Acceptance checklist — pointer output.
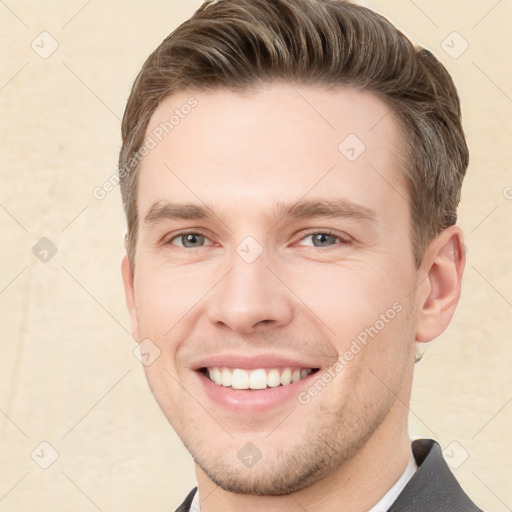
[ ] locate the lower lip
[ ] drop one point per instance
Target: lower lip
(253, 400)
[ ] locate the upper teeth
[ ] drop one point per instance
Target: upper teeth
(256, 379)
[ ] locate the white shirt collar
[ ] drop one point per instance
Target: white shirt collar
(382, 506)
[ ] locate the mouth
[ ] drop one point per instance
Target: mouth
(254, 382)
(256, 379)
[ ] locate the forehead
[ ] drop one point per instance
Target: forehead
(244, 151)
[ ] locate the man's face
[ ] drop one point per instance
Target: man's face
(271, 239)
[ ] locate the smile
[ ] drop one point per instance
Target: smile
(261, 378)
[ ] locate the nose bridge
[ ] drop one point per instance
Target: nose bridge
(250, 295)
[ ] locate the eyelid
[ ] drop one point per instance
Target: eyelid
(168, 239)
(343, 237)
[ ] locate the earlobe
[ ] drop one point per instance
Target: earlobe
(444, 266)
(129, 292)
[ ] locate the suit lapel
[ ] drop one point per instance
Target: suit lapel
(185, 506)
(433, 486)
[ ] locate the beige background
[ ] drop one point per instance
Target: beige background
(67, 372)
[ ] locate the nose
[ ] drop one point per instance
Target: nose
(250, 298)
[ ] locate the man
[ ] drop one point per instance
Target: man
(290, 172)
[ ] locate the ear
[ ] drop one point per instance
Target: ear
(443, 266)
(129, 292)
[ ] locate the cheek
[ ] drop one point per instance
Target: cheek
(375, 361)
(160, 306)
(349, 299)
(367, 314)
(164, 297)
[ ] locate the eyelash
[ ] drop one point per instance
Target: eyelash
(342, 240)
(181, 234)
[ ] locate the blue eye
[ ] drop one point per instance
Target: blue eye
(321, 239)
(189, 240)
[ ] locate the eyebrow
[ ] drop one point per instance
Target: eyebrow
(186, 211)
(334, 208)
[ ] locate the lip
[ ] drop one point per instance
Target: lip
(254, 361)
(252, 400)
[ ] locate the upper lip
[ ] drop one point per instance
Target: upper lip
(253, 362)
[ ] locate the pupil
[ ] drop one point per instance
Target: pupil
(191, 240)
(322, 238)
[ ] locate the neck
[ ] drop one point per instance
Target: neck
(356, 485)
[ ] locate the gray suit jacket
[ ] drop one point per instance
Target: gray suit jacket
(433, 487)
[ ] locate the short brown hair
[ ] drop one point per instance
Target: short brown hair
(244, 44)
